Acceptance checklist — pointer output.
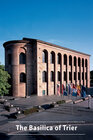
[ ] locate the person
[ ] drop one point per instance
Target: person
(58, 89)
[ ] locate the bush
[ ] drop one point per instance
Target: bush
(60, 102)
(4, 85)
(30, 111)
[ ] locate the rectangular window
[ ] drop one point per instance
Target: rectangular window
(82, 62)
(52, 76)
(86, 75)
(79, 62)
(70, 62)
(65, 76)
(74, 75)
(86, 63)
(70, 76)
(44, 76)
(59, 76)
(78, 75)
(75, 62)
(82, 76)
(44, 57)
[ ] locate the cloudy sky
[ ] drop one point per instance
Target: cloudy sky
(68, 23)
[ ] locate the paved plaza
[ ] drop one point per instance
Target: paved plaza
(75, 114)
(36, 101)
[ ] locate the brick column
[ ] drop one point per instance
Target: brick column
(88, 73)
(72, 69)
(15, 71)
(55, 73)
(48, 72)
(84, 72)
(62, 71)
(67, 69)
(28, 69)
(61, 75)
(81, 71)
(76, 70)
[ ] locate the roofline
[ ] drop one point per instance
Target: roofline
(29, 40)
(15, 41)
(58, 46)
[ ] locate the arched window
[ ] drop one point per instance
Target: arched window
(86, 75)
(65, 59)
(70, 76)
(52, 76)
(52, 58)
(79, 61)
(78, 75)
(65, 76)
(59, 76)
(74, 75)
(70, 60)
(86, 62)
(22, 78)
(44, 76)
(44, 56)
(59, 58)
(82, 75)
(74, 60)
(22, 58)
(82, 62)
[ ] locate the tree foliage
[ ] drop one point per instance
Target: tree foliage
(4, 85)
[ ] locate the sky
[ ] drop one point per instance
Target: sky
(68, 23)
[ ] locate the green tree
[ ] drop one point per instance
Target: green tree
(4, 85)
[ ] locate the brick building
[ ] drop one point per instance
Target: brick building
(37, 67)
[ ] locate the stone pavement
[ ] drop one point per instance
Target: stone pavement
(64, 112)
(25, 103)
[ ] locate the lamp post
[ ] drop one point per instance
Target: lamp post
(89, 101)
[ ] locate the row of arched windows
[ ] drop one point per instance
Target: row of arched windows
(22, 59)
(52, 76)
(52, 59)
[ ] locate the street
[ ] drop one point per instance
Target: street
(65, 114)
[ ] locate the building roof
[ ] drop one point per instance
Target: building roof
(54, 45)
(15, 41)
(29, 40)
